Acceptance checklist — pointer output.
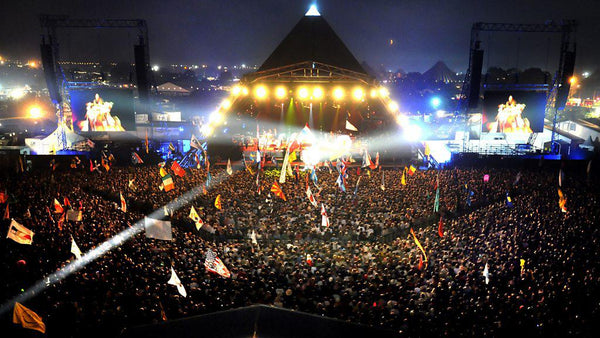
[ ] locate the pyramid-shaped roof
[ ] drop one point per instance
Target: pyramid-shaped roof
(440, 73)
(312, 39)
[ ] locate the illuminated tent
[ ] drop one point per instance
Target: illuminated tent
(311, 78)
(440, 73)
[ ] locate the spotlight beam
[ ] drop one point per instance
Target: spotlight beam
(106, 246)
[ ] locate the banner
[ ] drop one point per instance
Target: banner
(19, 233)
(158, 229)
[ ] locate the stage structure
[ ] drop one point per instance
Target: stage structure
(312, 79)
(60, 88)
(554, 95)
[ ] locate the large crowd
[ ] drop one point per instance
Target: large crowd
(365, 267)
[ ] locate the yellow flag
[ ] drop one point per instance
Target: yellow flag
(28, 319)
(218, 202)
(427, 150)
(163, 172)
(403, 180)
(292, 157)
(418, 244)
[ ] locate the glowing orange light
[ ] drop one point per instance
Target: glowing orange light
(280, 92)
(303, 93)
(318, 93)
(260, 92)
(35, 112)
(338, 93)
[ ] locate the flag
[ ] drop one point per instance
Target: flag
(517, 179)
(561, 175)
(58, 209)
(277, 191)
(194, 143)
(309, 260)
(382, 181)
(357, 183)
(158, 229)
(218, 204)
(427, 151)
(324, 218)
(162, 172)
(174, 280)
(74, 215)
(436, 204)
(61, 221)
(168, 183)
(311, 198)
(486, 178)
(19, 233)
(562, 201)
(135, 158)
(163, 315)
(75, 249)
(6, 213)
(522, 261)
(377, 160)
(3, 197)
(440, 227)
(229, 169)
(292, 157)
(27, 318)
(171, 147)
(105, 164)
(350, 126)
(486, 274)
(212, 263)
(253, 238)
(313, 176)
(418, 244)
(178, 170)
(147, 150)
(123, 203)
(403, 179)
(509, 202)
(411, 170)
(196, 218)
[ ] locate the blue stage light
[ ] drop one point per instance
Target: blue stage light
(435, 102)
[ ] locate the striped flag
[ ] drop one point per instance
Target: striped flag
(412, 232)
(123, 203)
(276, 189)
(168, 182)
(412, 170)
(213, 264)
(19, 233)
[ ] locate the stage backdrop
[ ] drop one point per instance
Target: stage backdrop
(513, 111)
(102, 109)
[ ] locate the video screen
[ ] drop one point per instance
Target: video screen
(513, 111)
(102, 110)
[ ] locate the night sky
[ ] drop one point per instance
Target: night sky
(246, 31)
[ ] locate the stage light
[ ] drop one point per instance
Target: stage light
(412, 133)
(318, 93)
(35, 112)
(435, 102)
(226, 104)
(215, 117)
(32, 64)
(302, 93)
(206, 130)
(373, 93)
(260, 92)
(393, 106)
(244, 91)
(338, 93)
(236, 90)
(280, 92)
(17, 93)
(573, 80)
(155, 68)
(384, 92)
(358, 94)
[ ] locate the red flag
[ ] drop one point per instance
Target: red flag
(66, 202)
(277, 191)
(6, 213)
(123, 203)
(57, 207)
(440, 229)
(309, 260)
(177, 169)
(420, 263)
(412, 170)
(3, 197)
(91, 166)
(61, 221)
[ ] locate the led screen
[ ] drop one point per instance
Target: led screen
(513, 111)
(102, 110)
